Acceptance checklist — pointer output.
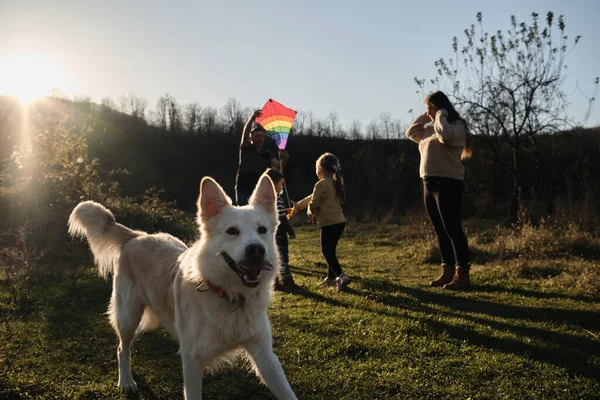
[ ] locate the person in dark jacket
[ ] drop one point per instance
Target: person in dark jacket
(254, 159)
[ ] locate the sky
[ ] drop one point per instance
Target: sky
(358, 59)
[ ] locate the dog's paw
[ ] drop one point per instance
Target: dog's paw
(128, 387)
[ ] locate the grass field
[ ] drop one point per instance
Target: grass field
(529, 328)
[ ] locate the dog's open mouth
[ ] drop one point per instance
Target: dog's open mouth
(249, 273)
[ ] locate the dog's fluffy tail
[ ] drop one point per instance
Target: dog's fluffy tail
(105, 236)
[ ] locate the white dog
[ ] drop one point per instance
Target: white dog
(212, 297)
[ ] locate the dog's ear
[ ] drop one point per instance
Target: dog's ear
(212, 199)
(264, 194)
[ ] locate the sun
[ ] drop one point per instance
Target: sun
(28, 75)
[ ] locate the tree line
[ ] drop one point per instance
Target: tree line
(150, 177)
(531, 162)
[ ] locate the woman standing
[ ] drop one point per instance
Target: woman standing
(443, 147)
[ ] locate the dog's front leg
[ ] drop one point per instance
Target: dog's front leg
(268, 367)
(193, 368)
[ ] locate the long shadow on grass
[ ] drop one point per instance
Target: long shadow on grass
(74, 306)
(469, 304)
(563, 350)
(77, 331)
(300, 291)
(309, 269)
(534, 294)
(303, 272)
(66, 327)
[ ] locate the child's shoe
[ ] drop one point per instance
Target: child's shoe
(327, 282)
(342, 281)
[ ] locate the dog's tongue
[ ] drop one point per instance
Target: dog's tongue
(266, 266)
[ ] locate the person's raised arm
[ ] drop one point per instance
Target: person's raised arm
(451, 134)
(416, 130)
(247, 128)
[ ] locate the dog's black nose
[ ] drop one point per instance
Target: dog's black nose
(255, 251)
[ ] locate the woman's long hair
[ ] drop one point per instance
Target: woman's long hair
(440, 100)
(330, 163)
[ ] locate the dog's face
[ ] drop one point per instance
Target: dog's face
(241, 238)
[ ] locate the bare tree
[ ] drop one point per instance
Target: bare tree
(385, 122)
(108, 103)
(310, 116)
(233, 116)
(398, 129)
(161, 113)
(133, 105)
(510, 86)
(355, 130)
(333, 122)
(373, 130)
(82, 99)
(299, 126)
(174, 113)
(323, 128)
(209, 120)
(192, 118)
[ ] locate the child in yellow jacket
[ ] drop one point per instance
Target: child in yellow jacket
(325, 206)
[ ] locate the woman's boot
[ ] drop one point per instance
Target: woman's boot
(445, 277)
(461, 280)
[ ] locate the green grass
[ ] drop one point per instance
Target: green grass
(529, 329)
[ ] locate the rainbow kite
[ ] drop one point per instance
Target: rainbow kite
(277, 120)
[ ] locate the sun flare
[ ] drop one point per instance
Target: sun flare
(29, 75)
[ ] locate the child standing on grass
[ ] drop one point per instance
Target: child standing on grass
(281, 236)
(325, 205)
